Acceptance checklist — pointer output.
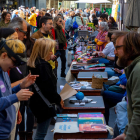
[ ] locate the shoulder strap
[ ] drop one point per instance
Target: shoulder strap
(41, 95)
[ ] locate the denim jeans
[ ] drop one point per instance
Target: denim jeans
(122, 119)
(111, 73)
(63, 60)
(32, 28)
(42, 129)
(103, 60)
(110, 100)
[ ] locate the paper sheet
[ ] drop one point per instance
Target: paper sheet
(67, 92)
(66, 127)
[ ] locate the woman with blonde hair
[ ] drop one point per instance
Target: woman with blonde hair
(38, 63)
(11, 55)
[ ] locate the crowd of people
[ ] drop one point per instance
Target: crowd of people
(30, 41)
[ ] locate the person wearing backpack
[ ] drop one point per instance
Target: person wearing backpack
(77, 21)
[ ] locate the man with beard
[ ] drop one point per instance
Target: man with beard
(128, 52)
(46, 25)
(111, 98)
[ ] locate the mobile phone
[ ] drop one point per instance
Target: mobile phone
(112, 69)
(57, 55)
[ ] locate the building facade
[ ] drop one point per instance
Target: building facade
(9, 4)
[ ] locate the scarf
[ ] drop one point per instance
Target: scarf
(60, 35)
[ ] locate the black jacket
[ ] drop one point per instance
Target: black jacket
(95, 21)
(47, 84)
(38, 19)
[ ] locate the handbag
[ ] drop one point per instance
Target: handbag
(75, 25)
(54, 108)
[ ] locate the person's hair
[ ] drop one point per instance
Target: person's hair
(131, 44)
(47, 15)
(17, 22)
(32, 11)
(4, 14)
(78, 14)
(112, 19)
(116, 34)
(29, 42)
(109, 35)
(61, 15)
(104, 16)
(15, 45)
(105, 25)
(72, 13)
(37, 10)
(44, 20)
(94, 16)
(41, 49)
(84, 15)
(55, 20)
(43, 9)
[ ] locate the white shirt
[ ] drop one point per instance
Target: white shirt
(109, 50)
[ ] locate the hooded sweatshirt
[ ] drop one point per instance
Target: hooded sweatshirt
(7, 109)
(32, 19)
(132, 73)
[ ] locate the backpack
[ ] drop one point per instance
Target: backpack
(75, 25)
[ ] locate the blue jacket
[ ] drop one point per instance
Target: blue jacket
(7, 109)
(68, 24)
(122, 81)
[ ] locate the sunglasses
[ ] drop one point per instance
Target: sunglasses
(25, 33)
(16, 63)
(116, 47)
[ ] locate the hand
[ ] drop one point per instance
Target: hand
(89, 42)
(117, 70)
(102, 54)
(24, 94)
(19, 118)
(120, 137)
(122, 86)
(62, 103)
(28, 80)
(53, 57)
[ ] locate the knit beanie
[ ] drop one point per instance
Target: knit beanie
(5, 32)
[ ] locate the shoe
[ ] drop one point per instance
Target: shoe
(29, 135)
(63, 75)
(53, 121)
(22, 135)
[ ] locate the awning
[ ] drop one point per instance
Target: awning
(133, 15)
(93, 1)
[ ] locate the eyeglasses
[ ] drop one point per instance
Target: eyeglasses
(116, 47)
(14, 61)
(25, 33)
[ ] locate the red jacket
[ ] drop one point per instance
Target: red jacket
(53, 33)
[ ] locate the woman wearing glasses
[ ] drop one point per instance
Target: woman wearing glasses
(59, 35)
(11, 55)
